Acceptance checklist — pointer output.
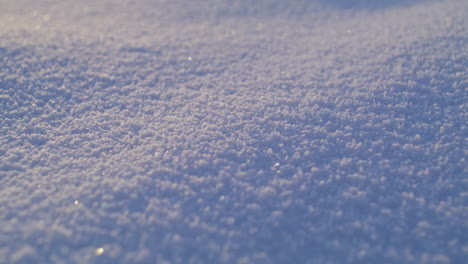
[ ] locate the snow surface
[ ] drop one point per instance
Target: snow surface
(219, 131)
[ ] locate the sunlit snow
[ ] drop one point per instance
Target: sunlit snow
(303, 131)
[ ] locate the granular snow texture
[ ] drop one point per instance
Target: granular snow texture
(238, 131)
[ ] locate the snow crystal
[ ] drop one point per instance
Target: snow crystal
(218, 131)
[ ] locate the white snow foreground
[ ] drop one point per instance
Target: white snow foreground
(233, 132)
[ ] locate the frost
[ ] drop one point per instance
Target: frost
(233, 131)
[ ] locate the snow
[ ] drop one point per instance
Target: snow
(233, 131)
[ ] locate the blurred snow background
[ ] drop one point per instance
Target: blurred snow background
(233, 131)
